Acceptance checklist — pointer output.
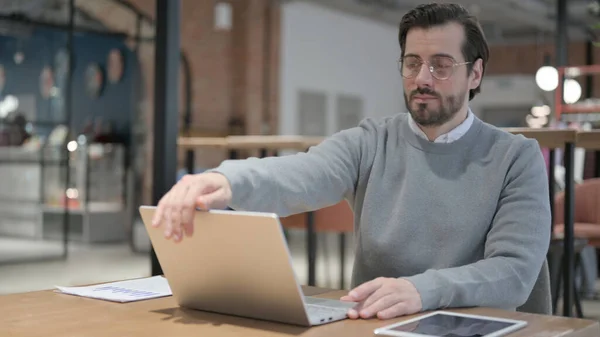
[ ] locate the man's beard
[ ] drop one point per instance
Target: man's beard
(425, 116)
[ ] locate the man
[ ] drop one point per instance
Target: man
(449, 211)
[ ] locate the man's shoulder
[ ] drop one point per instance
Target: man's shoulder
(368, 132)
(384, 123)
(504, 138)
(511, 150)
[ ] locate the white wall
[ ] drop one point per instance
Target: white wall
(508, 91)
(335, 52)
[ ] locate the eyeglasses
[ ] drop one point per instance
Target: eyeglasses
(440, 67)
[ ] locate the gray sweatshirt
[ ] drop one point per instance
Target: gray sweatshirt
(467, 222)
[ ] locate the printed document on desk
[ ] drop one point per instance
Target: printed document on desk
(123, 291)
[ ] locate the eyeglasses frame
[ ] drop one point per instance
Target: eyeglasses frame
(431, 69)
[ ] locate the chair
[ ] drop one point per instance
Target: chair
(587, 212)
(337, 218)
(586, 227)
(540, 299)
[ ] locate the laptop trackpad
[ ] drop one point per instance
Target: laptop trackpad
(328, 303)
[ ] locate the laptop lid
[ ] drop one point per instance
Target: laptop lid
(235, 263)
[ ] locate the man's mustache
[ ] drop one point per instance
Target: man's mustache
(424, 91)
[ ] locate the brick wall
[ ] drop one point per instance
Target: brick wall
(527, 59)
(234, 73)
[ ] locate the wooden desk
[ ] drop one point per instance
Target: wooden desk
(266, 142)
(202, 142)
(50, 314)
(250, 142)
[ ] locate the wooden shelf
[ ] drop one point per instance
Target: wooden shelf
(550, 138)
(589, 140)
(577, 108)
(583, 70)
(573, 72)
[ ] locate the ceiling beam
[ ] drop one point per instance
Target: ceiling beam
(532, 13)
(363, 9)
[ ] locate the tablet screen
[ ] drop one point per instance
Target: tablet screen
(444, 325)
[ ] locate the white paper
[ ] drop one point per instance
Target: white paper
(123, 291)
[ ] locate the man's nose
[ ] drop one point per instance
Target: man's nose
(424, 77)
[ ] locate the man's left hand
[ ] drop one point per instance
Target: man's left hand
(384, 297)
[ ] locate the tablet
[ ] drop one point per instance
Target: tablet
(450, 324)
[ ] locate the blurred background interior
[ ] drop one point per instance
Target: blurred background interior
(76, 147)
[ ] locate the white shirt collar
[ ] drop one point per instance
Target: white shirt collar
(449, 137)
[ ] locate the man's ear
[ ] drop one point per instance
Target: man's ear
(476, 74)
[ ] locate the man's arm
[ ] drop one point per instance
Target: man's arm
(302, 182)
(515, 249)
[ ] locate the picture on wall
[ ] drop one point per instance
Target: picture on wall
(94, 80)
(46, 82)
(115, 66)
(2, 79)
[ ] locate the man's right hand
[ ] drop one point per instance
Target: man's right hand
(175, 211)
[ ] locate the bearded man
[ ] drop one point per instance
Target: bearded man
(449, 211)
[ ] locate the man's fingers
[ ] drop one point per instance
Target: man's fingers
(177, 201)
(173, 211)
(383, 303)
(375, 296)
(188, 210)
(159, 214)
(175, 222)
(364, 290)
(398, 309)
(353, 314)
(214, 200)
(166, 216)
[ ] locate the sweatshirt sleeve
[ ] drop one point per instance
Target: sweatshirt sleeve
(515, 249)
(302, 182)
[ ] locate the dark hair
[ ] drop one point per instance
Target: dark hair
(425, 16)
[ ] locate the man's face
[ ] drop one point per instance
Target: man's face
(434, 101)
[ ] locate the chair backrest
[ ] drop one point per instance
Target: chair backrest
(587, 203)
(540, 299)
(337, 218)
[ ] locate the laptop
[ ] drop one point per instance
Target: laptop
(238, 263)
